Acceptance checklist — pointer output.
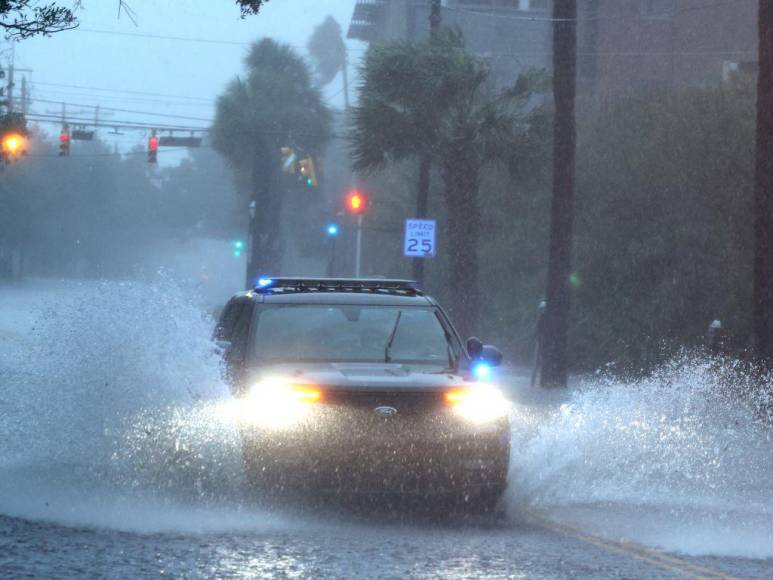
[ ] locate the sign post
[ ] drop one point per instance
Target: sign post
(420, 238)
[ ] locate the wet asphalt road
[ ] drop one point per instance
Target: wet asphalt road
(346, 548)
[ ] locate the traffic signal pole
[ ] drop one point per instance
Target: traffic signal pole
(425, 161)
(358, 247)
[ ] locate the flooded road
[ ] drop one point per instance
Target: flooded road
(118, 462)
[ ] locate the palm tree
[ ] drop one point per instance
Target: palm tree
(432, 100)
(404, 89)
(276, 105)
(328, 54)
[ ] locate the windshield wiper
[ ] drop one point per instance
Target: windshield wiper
(388, 346)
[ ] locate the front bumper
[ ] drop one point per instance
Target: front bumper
(341, 451)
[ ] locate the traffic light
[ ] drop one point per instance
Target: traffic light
(237, 246)
(64, 142)
(153, 148)
(356, 203)
(308, 174)
(288, 159)
(331, 230)
(13, 144)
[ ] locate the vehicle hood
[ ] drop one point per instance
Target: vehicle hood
(355, 376)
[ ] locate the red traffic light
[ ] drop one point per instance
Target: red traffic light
(153, 149)
(64, 143)
(356, 202)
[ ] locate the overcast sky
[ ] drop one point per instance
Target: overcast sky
(115, 58)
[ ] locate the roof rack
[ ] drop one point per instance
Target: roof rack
(374, 285)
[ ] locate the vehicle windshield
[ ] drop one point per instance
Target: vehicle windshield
(321, 333)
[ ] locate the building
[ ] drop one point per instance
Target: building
(511, 35)
(625, 47)
(628, 47)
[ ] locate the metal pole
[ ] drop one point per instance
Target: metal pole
(358, 248)
(434, 18)
(332, 258)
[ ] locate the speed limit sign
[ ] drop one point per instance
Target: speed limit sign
(419, 238)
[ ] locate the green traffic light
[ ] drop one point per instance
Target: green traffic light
(309, 181)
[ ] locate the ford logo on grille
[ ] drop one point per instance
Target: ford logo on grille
(385, 411)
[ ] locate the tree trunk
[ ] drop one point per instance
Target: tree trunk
(345, 80)
(763, 191)
(264, 257)
(461, 181)
(556, 322)
(422, 206)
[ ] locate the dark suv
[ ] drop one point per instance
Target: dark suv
(364, 387)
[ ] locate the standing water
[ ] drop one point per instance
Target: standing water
(681, 460)
(113, 416)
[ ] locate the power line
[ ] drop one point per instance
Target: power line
(64, 95)
(165, 37)
(115, 110)
(492, 14)
(57, 119)
(187, 38)
(126, 91)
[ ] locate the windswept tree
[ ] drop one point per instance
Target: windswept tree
(273, 106)
(433, 100)
(25, 18)
(328, 54)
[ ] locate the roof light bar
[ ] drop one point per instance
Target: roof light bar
(335, 284)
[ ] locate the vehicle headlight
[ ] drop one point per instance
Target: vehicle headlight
(277, 403)
(480, 403)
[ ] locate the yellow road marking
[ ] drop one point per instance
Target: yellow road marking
(636, 551)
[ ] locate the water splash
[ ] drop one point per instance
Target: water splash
(111, 404)
(690, 445)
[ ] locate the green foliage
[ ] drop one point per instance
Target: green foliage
(99, 214)
(327, 50)
(663, 232)
(26, 18)
(274, 105)
(433, 99)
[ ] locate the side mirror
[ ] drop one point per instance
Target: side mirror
(492, 355)
(474, 347)
(486, 353)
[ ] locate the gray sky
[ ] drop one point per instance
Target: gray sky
(113, 60)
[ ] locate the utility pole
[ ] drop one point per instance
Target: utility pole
(11, 84)
(25, 98)
(763, 192)
(556, 322)
(425, 161)
(435, 18)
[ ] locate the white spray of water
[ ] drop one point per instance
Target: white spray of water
(110, 413)
(681, 460)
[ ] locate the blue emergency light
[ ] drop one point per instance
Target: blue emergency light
(481, 371)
